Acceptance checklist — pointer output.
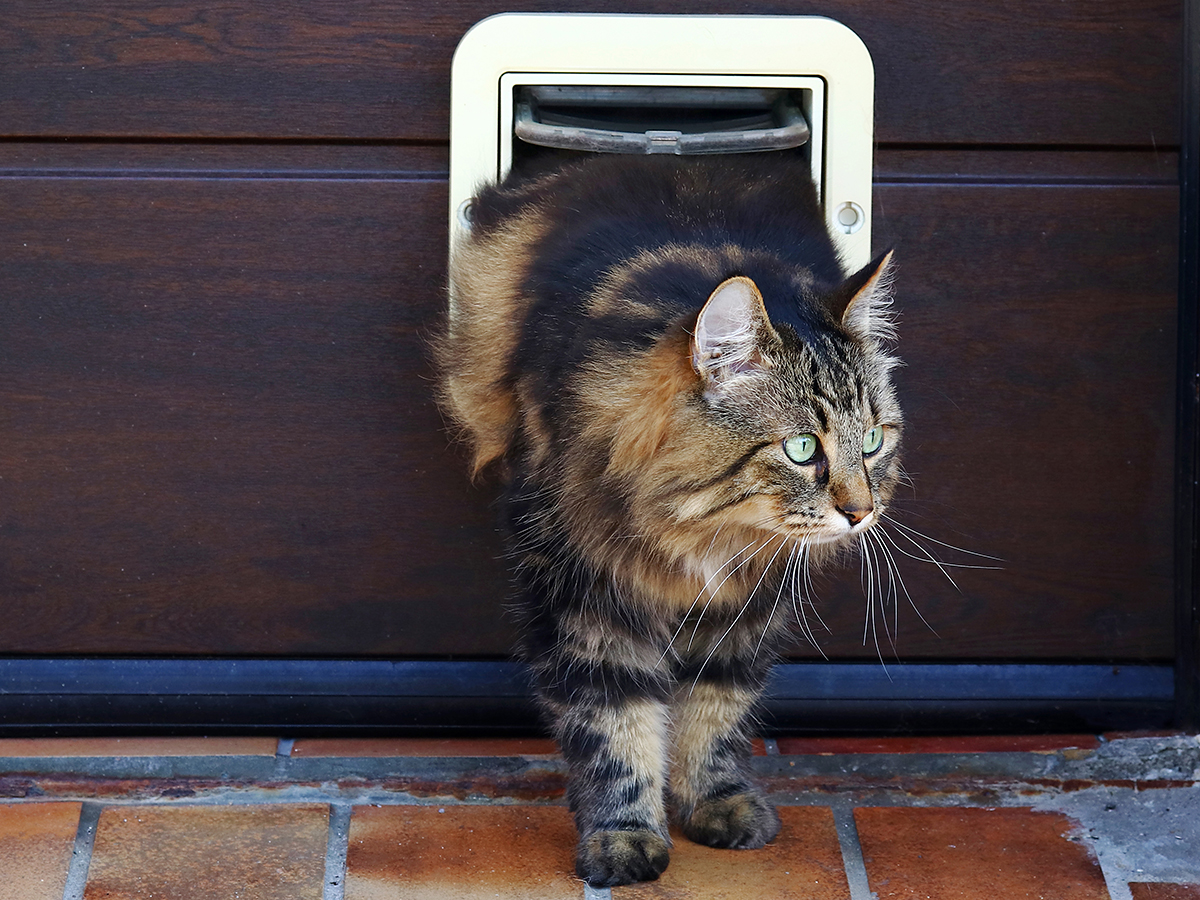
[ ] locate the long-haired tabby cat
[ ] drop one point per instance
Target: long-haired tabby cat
(687, 397)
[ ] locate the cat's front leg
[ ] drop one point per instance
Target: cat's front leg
(616, 752)
(715, 799)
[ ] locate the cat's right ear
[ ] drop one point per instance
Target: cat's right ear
(861, 304)
(730, 331)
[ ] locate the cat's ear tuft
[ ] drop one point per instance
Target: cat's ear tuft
(730, 330)
(862, 303)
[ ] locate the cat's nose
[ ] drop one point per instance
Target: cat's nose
(855, 513)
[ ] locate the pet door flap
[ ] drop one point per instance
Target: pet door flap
(650, 119)
(528, 87)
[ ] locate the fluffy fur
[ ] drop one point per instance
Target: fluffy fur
(631, 344)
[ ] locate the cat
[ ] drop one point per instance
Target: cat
(689, 402)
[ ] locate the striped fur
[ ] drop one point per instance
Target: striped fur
(631, 343)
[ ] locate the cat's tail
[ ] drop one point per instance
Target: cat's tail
(483, 327)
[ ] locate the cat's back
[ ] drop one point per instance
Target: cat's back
(616, 243)
(600, 212)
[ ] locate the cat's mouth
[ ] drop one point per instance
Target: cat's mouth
(858, 526)
(832, 529)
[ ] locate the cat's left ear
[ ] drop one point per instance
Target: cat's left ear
(861, 303)
(731, 330)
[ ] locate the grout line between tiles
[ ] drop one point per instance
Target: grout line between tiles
(852, 856)
(336, 848)
(81, 855)
(1118, 888)
(1114, 877)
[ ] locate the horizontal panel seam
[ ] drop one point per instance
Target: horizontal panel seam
(441, 177)
(969, 182)
(209, 175)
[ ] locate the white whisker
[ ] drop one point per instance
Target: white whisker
(870, 618)
(745, 606)
(783, 578)
(810, 589)
(717, 589)
(884, 561)
(802, 584)
(913, 531)
(767, 627)
(894, 579)
(927, 557)
(704, 587)
(887, 537)
(868, 589)
(886, 591)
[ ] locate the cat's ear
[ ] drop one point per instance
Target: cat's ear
(862, 303)
(730, 331)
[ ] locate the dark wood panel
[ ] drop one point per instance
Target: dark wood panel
(1043, 166)
(216, 433)
(1009, 72)
(1038, 328)
(142, 159)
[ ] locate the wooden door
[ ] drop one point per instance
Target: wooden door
(222, 252)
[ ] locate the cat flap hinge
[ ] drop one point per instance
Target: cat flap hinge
(650, 119)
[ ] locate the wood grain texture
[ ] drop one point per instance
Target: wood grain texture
(1038, 329)
(1096, 167)
(217, 434)
(1079, 72)
(216, 427)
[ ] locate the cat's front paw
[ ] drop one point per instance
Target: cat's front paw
(742, 822)
(608, 858)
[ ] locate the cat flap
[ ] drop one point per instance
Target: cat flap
(729, 331)
(659, 119)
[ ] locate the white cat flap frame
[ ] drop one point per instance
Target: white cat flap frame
(817, 56)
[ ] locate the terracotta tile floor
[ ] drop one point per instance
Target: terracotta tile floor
(1075, 817)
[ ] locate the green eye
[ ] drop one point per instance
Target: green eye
(801, 448)
(873, 440)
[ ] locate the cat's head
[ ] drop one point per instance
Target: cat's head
(737, 423)
(801, 414)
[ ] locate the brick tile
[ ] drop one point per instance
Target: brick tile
(461, 853)
(1156, 891)
(36, 841)
(1155, 733)
(805, 861)
(1021, 743)
(209, 853)
(975, 853)
(385, 747)
(149, 746)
